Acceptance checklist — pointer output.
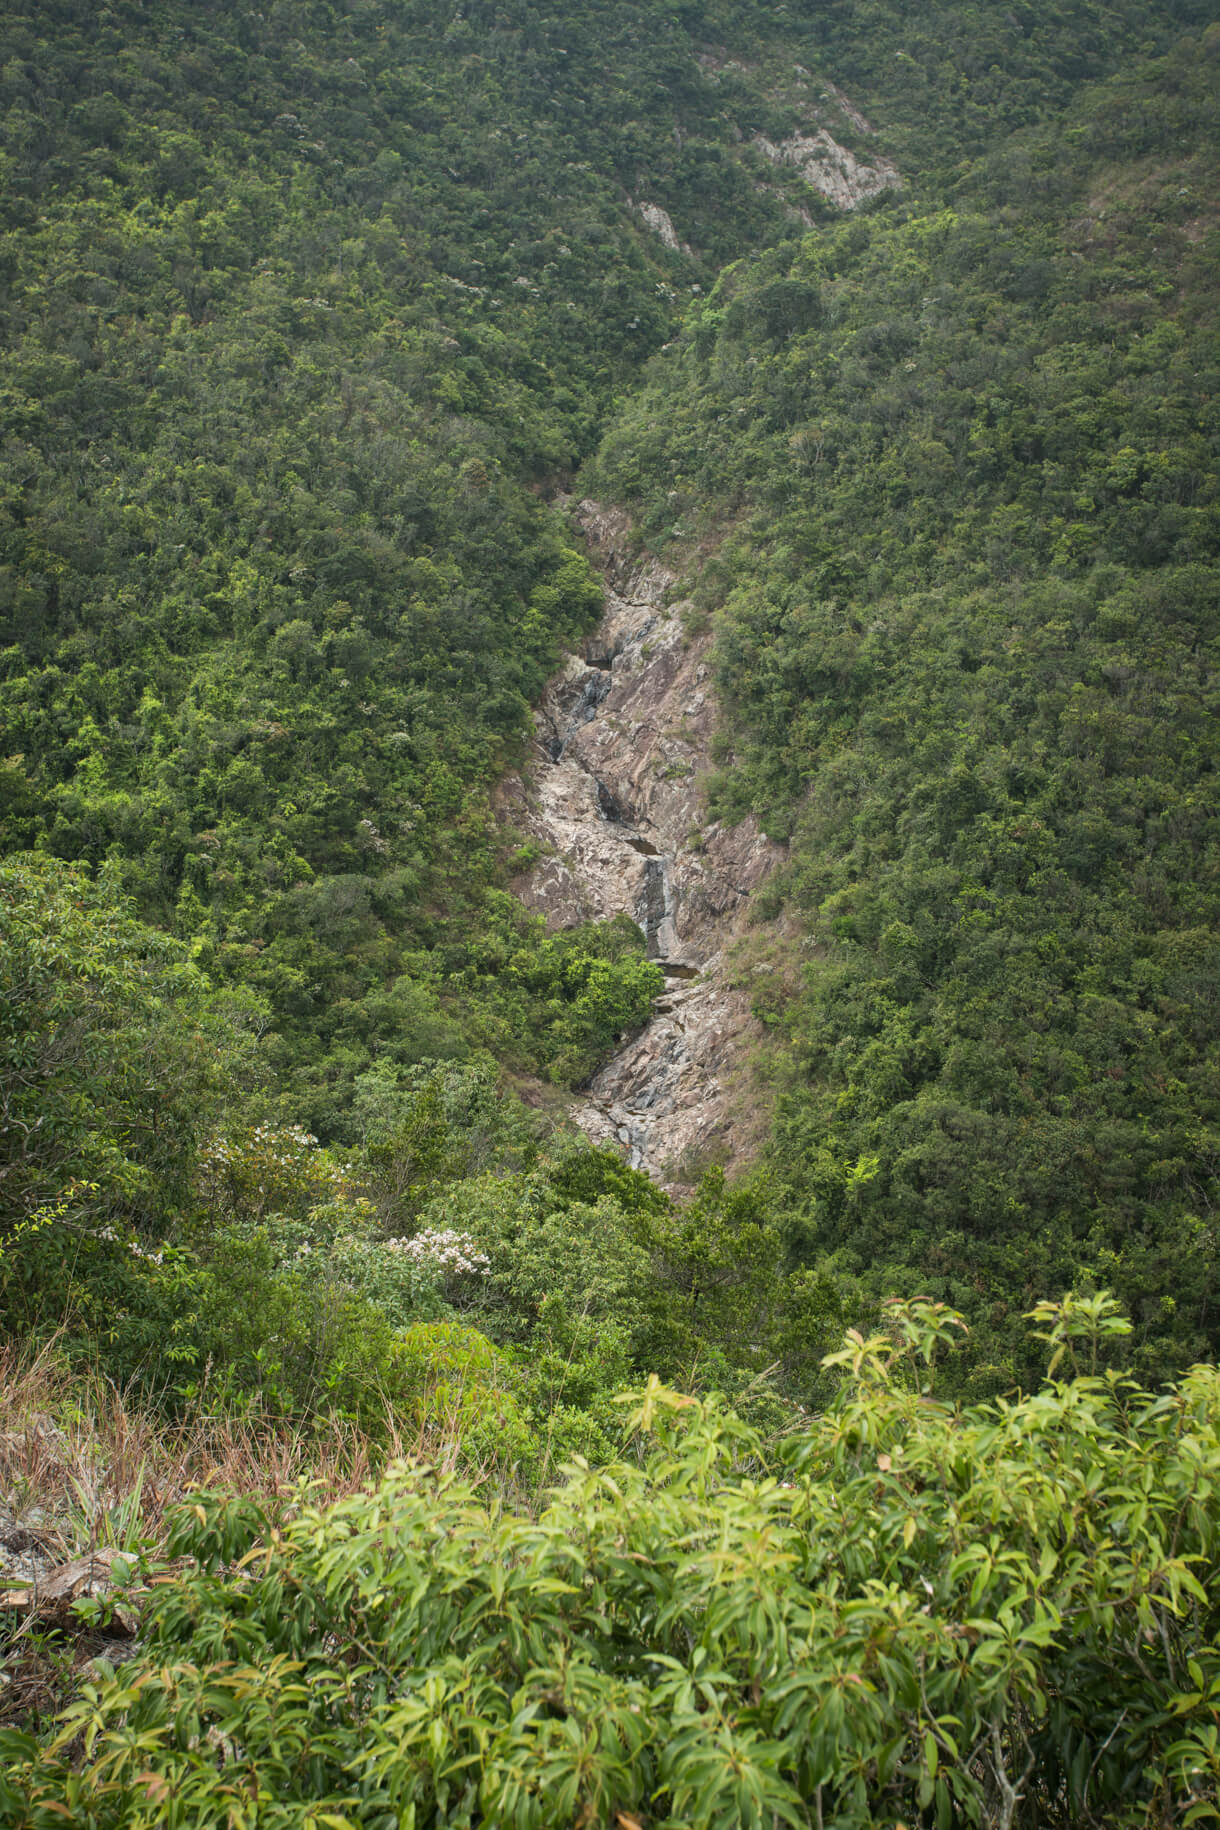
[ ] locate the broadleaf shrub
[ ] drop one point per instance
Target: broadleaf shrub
(1001, 1615)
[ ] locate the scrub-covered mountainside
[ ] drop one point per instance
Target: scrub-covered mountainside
(966, 620)
(607, 759)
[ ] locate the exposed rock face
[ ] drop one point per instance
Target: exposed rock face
(820, 106)
(659, 221)
(831, 168)
(623, 736)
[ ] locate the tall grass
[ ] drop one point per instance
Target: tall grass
(85, 1466)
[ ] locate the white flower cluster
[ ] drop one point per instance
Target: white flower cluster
(275, 1138)
(443, 1249)
(108, 1233)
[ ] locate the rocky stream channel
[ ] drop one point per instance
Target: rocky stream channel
(614, 800)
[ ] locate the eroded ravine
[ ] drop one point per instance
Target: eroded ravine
(614, 798)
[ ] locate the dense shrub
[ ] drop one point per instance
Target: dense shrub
(997, 1616)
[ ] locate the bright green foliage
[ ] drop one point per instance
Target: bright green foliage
(1003, 1615)
(112, 1048)
(555, 1002)
(543, 1245)
(291, 1295)
(308, 316)
(304, 313)
(141, 1205)
(115, 1057)
(298, 307)
(270, 1169)
(594, 1277)
(724, 1304)
(422, 1128)
(287, 340)
(296, 1318)
(449, 1382)
(298, 1286)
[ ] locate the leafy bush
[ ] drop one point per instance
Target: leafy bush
(996, 1616)
(299, 1296)
(451, 1384)
(116, 1058)
(545, 1247)
(114, 1048)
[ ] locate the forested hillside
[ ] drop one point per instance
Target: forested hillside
(892, 334)
(967, 634)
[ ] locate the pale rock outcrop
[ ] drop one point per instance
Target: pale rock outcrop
(831, 169)
(615, 798)
(826, 166)
(846, 108)
(660, 222)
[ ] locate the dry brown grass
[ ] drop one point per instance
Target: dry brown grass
(86, 1461)
(85, 1467)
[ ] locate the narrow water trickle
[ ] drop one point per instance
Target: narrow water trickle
(654, 911)
(623, 733)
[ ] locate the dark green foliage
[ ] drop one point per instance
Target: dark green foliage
(309, 315)
(113, 1048)
(693, 1637)
(217, 1257)
(285, 338)
(967, 636)
(301, 307)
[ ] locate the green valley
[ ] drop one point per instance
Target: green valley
(609, 914)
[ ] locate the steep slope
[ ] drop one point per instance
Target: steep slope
(302, 309)
(308, 313)
(967, 644)
(288, 343)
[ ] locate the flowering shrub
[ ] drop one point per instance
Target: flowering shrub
(302, 1298)
(402, 1288)
(540, 1244)
(270, 1169)
(449, 1251)
(108, 1235)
